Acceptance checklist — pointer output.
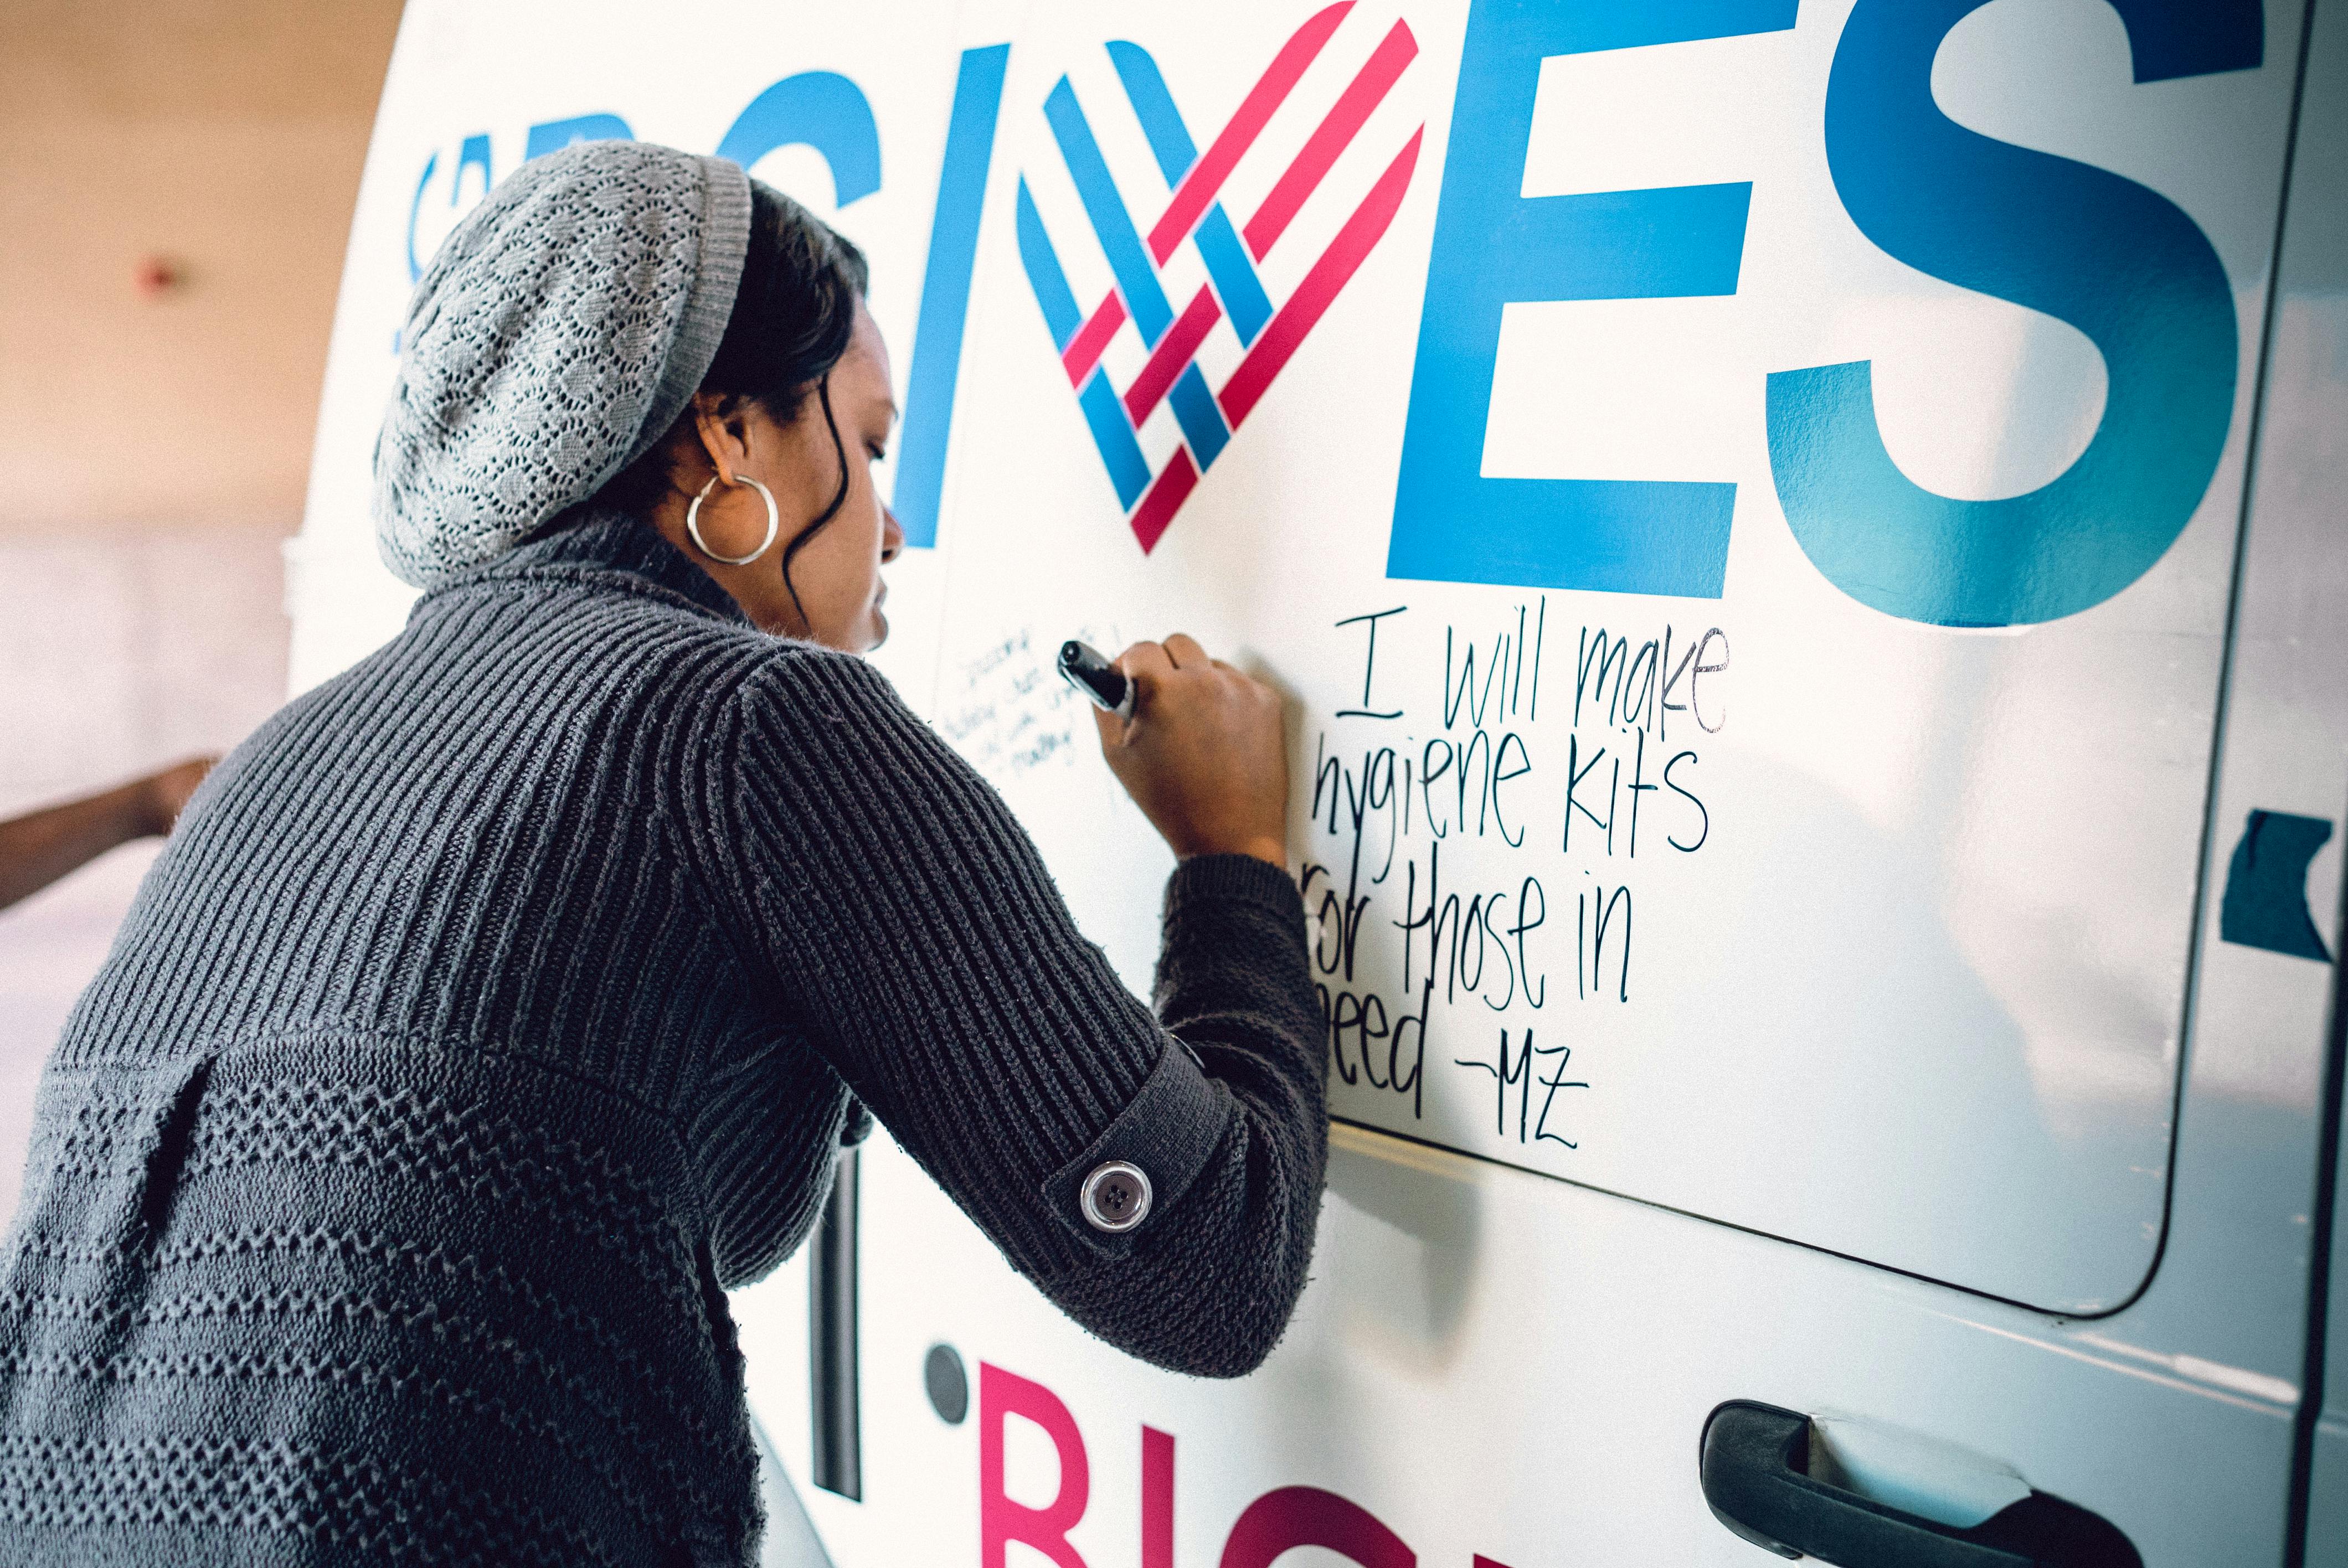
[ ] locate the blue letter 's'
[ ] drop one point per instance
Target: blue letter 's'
(2081, 244)
(1493, 246)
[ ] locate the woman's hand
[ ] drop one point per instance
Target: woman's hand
(37, 849)
(161, 797)
(1203, 755)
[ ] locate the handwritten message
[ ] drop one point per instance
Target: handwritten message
(1480, 816)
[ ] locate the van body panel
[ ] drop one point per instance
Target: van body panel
(1965, 1084)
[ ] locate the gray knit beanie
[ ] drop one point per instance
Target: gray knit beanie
(557, 335)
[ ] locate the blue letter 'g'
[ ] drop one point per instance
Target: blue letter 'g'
(2081, 244)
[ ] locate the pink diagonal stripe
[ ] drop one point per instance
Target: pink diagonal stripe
(1174, 350)
(1338, 128)
(1205, 180)
(1329, 274)
(1164, 498)
(1085, 349)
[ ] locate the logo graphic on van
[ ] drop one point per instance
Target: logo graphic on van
(1235, 290)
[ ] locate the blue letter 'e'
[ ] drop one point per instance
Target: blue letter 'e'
(1494, 245)
(2080, 244)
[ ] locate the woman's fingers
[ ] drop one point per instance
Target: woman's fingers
(1147, 666)
(1111, 728)
(1146, 662)
(1184, 650)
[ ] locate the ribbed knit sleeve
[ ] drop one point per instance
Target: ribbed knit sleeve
(880, 891)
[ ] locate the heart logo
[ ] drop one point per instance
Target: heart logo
(1234, 293)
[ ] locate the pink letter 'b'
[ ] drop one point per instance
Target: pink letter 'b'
(1307, 1516)
(1156, 1498)
(1002, 1395)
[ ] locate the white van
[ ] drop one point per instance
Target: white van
(1805, 538)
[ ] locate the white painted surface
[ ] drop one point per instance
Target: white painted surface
(2293, 650)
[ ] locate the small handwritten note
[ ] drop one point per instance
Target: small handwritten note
(1009, 710)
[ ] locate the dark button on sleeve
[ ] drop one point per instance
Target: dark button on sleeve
(1116, 1197)
(1128, 1181)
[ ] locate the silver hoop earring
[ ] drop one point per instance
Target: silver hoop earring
(774, 522)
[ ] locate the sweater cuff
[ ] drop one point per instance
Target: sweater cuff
(1168, 1133)
(1212, 878)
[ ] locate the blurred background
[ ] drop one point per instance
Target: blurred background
(178, 192)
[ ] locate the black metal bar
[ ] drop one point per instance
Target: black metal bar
(838, 1451)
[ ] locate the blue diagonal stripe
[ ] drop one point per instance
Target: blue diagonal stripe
(1044, 273)
(945, 293)
(1153, 106)
(1136, 280)
(1113, 433)
(1234, 275)
(1201, 419)
(1228, 265)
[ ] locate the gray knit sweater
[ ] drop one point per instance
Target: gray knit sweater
(500, 1002)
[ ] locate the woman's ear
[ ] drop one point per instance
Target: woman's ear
(724, 435)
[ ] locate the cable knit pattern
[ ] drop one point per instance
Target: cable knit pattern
(496, 1006)
(556, 334)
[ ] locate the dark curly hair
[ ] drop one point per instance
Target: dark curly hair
(793, 314)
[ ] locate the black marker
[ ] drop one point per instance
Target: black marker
(1096, 677)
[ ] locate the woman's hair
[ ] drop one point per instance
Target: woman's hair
(793, 313)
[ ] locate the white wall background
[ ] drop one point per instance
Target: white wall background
(153, 448)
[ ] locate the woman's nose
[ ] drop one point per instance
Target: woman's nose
(892, 536)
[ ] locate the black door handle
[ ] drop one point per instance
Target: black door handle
(1755, 1464)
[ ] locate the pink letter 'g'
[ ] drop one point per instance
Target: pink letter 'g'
(1307, 1516)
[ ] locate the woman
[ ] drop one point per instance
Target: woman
(504, 1001)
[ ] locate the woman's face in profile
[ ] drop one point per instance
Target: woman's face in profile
(837, 573)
